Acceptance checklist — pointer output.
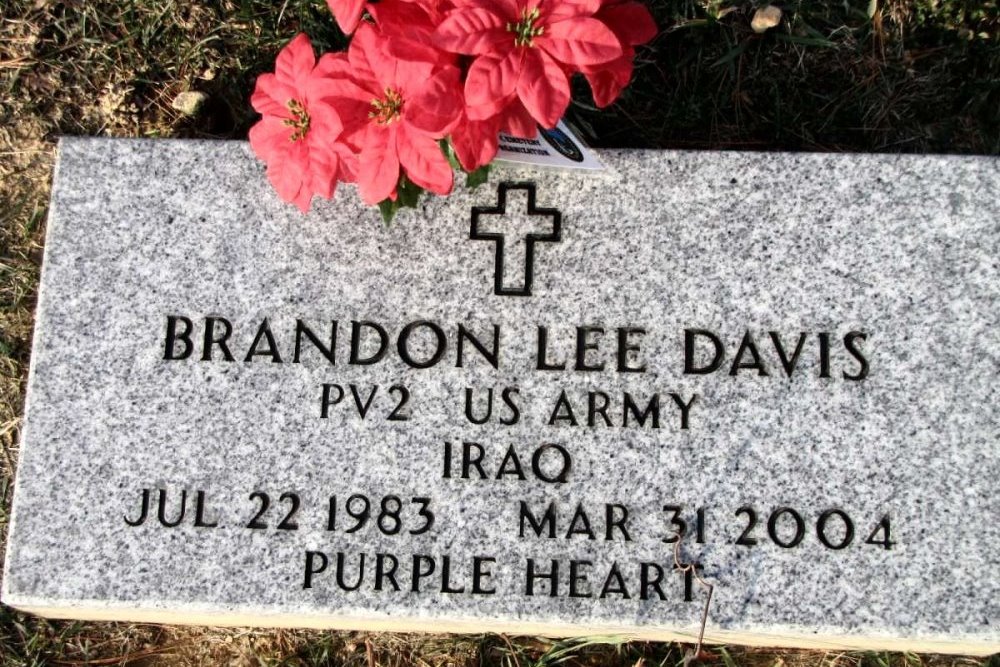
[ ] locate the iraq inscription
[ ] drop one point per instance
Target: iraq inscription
(557, 403)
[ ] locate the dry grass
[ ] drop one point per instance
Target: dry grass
(918, 75)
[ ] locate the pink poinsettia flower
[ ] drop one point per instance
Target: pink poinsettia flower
(633, 25)
(523, 50)
(297, 135)
(394, 112)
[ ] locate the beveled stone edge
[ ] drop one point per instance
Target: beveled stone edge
(776, 637)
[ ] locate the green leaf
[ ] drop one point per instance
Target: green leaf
(388, 209)
(474, 179)
(408, 193)
(407, 196)
(449, 153)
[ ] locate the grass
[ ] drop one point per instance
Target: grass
(845, 75)
(915, 77)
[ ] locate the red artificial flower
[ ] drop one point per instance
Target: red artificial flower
(394, 112)
(523, 50)
(633, 25)
(297, 135)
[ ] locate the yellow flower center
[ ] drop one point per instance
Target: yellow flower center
(299, 120)
(387, 108)
(525, 30)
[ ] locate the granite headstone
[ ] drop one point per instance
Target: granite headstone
(561, 404)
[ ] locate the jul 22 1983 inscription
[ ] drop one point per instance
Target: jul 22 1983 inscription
(557, 404)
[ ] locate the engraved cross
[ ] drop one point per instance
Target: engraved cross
(515, 249)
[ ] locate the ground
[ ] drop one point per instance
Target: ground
(851, 75)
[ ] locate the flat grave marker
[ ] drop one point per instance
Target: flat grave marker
(555, 404)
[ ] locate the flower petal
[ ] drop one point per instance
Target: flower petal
(491, 109)
(295, 62)
(476, 142)
(472, 31)
(508, 10)
(323, 168)
(333, 65)
(410, 28)
(437, 107)
(347, 13)
(420, 50)
(543, 88)
(517, 121)
(395, 17)
(266, 96)
(378, 164)
(324, 120)
(630, 21)
(580, 42)
(354, 116)
(368, 58)
(565, 9)
(491, 81)
(608, 80)
(348, 163)
(270, 96)
(423, 161)
(288, 177)
(407, 76)
(270, 139)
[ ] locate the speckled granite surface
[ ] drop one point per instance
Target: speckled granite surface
(885, 268)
